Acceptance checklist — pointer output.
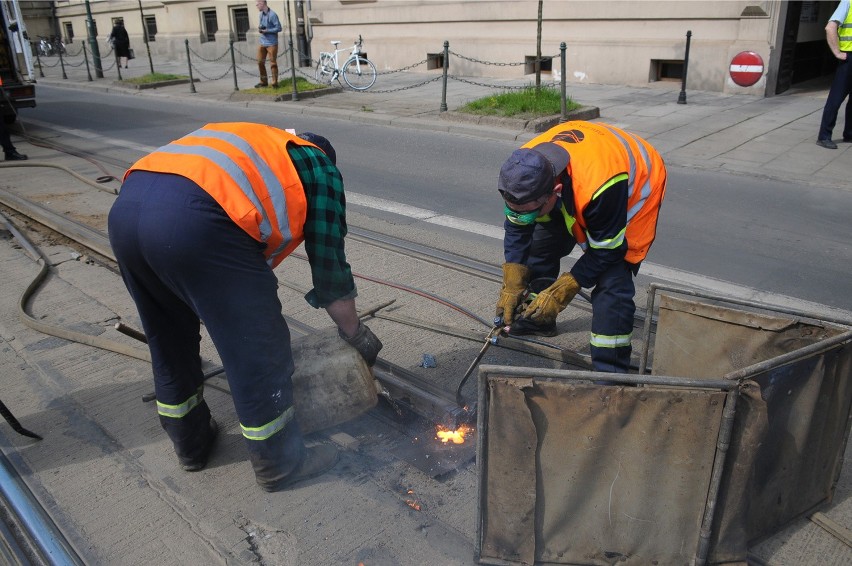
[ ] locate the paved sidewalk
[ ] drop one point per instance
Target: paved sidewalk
(768, 137)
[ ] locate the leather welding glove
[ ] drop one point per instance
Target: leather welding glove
(515, 279)
(553, 300)
(367, 343)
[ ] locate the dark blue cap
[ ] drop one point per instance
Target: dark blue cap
(531, 173)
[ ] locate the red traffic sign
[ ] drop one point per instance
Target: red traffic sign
(746, 68)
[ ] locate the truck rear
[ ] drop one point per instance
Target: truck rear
(17, 87)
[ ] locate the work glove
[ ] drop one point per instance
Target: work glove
(515, 279)
(553, 300)
(367, 343)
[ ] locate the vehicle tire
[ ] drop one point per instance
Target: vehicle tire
(323, 73)
(360, 74)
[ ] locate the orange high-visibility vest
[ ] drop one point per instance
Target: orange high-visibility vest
(602, 155)
(246, 169)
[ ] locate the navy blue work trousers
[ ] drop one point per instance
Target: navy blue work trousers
(613, 307)
(185, 261)
(841, 89)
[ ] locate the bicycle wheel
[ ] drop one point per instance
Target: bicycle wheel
(359, 73)
(324, 72)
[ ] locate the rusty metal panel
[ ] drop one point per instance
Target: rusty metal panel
(577, 473)
(696, 339)
(792, 422)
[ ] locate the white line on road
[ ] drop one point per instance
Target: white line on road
(654, 271)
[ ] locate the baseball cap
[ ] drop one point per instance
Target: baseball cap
(530, 173)
(321, 143)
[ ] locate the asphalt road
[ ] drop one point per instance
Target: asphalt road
(723, 230)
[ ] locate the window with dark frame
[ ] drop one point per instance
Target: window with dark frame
(151, 27)
(666, 70)
(210, 23)
(69, 32)
(241, 23)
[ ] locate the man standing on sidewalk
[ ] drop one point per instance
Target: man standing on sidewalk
(269, 29)
(838, 34)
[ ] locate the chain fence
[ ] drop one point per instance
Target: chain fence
(226, 62)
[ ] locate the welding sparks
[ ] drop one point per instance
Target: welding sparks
(413, 504)
(454, 436)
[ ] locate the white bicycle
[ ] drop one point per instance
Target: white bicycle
(358, 71)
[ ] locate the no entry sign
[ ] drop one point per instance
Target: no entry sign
(746, 68)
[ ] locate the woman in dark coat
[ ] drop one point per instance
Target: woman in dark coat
(120, 41)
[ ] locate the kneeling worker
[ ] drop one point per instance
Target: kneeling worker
(197, 229)
(587, 183)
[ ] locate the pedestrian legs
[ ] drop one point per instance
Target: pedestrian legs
(841, 88)
(261, 65)
(272, 51)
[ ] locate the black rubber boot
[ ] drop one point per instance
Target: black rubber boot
(317, 460)
(197, 461)
(15, 156)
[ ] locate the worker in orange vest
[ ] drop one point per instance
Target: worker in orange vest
(582, 183)
(197, 229)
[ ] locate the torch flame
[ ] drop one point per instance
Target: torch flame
(454, 436)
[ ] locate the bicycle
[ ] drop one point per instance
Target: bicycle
(358, 72)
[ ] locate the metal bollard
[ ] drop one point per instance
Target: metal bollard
(293, 70)
(446, 66)
(562, 49)
(234, 66)
(62, 63)
(681, 99)
(189, 63)
(86, 59)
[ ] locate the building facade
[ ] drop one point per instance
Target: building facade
(632, 42)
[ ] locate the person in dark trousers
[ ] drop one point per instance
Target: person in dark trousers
(120, 42)
(582, 183)
(9, 150)
(269, 27)
(197, 229)
(838, 34)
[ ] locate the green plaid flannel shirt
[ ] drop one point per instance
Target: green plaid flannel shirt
(325, 226)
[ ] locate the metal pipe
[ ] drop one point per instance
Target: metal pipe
(723, 442)
(40, 528)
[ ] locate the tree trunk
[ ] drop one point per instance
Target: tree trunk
(538, 49)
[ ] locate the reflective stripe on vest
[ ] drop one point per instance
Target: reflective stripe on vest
(844, 33)
(604, 341)
(270, 428)
(181, 410)
(246, 169)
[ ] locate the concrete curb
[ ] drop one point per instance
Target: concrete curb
(523, 124)
(158, 84)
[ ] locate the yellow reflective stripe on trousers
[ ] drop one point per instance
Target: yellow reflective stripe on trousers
(604, 341)
(270, 428)
(183, 409)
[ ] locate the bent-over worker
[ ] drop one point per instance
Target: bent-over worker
(197, 229)
(582, 183)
